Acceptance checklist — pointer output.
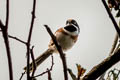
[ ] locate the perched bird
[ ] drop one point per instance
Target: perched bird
(66, 38)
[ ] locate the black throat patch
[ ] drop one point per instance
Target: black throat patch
(70, 28)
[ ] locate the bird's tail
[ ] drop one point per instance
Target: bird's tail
(40, 59)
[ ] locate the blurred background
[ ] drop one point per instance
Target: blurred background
(94, 44)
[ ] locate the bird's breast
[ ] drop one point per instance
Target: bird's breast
(65, 40)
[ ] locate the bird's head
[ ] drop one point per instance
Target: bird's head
(72, 26)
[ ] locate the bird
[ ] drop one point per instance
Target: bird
(66, 37)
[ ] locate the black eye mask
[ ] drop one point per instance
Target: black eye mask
(70, 28)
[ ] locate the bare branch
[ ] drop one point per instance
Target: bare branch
(7, 14)
(4, 30)
(5, 36)
(114, 44)
(22, 75)
(116, 27)
(103, 66)
(111, 17)
(47, 69)
(49, 75)
(13, 36)
(17, 39)
(29, 39)
(62, 55)
(33, 60)
(113, 49)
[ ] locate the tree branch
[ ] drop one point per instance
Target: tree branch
(17, 39)
(33, 60)
(62, 55)
(103, 66)
(49, 75)
(116, 27)
(48, 70)
(4, 30)
(113, 49)
(5, 36)
(22, 75)
(29, 39)
(114, 44)
(7, 14)
(111, 17)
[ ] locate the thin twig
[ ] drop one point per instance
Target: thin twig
(29, 39)
(103, 66)
(111, 17)
(49, 75)
(22, 75)
(17, 39)
(7, 14)
(33, 60)
(47, 69)
(62, 55)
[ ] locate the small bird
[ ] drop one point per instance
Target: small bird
(66, 38)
